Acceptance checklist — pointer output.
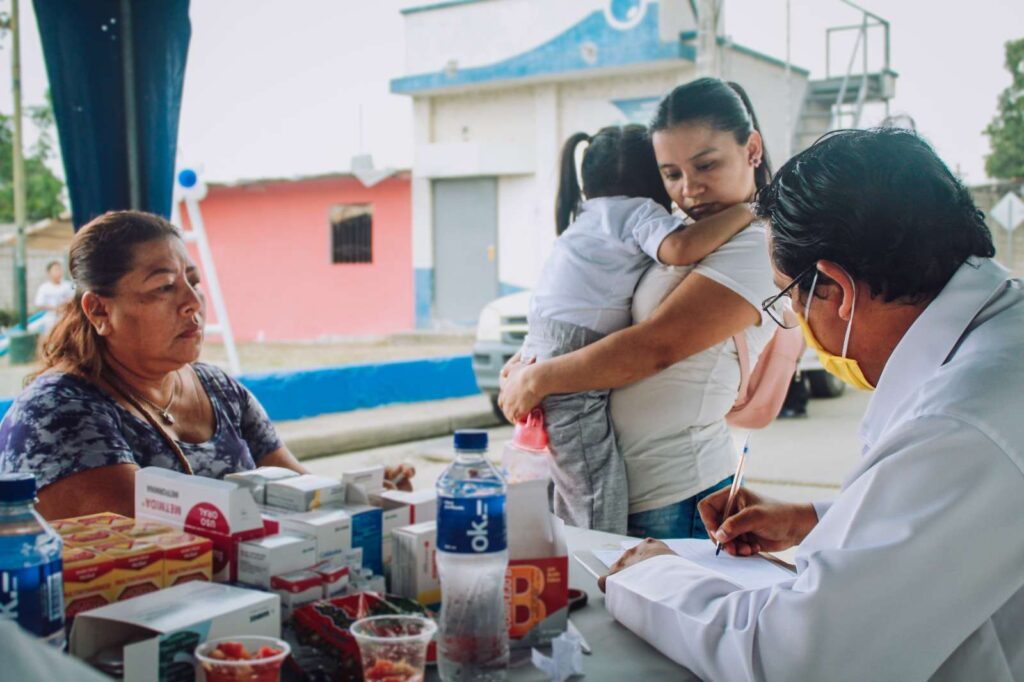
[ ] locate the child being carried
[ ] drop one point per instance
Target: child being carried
(606, 242)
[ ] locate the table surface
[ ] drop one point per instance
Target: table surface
(618, 654)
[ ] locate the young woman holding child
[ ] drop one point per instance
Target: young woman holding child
(678, 362)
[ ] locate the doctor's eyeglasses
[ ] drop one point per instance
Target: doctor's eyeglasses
(778, 306)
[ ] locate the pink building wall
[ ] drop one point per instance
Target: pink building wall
(271, 243)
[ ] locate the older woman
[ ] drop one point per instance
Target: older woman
(121, 387)
(676, 371)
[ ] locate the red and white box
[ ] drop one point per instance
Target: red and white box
(400, 508)
(262, 559)
(297, 589)
(218, 510)
(335, 578)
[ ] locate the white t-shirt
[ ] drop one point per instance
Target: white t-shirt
(50, 295)
(590, 276)
(670, 426)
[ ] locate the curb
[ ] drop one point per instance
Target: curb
(311, 443)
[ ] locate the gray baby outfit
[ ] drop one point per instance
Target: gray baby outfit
(587, 468)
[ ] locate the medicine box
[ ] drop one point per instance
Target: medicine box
(305, 493)
(367, 534)
(255, 480)
(413, 564)
(297, 589)
(158, 632)
(260, 560)
(331, 528)
(214, 509)
(186, 557)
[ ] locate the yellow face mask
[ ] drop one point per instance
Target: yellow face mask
(846, 369)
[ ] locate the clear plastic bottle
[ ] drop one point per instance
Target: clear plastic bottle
(472, 558)
(31, 586)
(526, 457)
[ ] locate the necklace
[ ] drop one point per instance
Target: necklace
(163, 412)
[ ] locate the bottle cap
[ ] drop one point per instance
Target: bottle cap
(530, 433)
(18, 487)
(471, 439)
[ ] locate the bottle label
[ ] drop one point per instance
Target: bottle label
(474, 525)
(34, 597)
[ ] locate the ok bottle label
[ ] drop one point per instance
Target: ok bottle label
(471, 525)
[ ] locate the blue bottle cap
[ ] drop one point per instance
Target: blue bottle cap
(470, 439)
(18, 487)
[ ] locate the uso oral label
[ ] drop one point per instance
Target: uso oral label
(471, 525)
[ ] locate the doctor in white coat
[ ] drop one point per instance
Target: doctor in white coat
(916, 570)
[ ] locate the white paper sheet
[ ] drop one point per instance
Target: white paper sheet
(750, 572)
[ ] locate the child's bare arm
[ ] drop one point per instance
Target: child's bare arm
(692, 243)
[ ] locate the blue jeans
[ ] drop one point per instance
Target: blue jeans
(679, 520)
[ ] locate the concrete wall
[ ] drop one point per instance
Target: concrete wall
(498, 85)
(271, 244)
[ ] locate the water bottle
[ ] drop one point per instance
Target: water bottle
(472, 558)
(31, 586)
(526, 457)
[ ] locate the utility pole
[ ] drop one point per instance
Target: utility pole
(20, 283)
(22, 343)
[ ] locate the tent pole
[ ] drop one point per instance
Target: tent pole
(131, 123)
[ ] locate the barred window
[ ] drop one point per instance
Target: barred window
(351, 233)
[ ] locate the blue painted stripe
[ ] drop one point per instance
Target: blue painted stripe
(308, 393)
(564, 54)
(424, 296)
(295, 395)
(438, 5)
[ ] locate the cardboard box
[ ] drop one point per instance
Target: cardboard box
(88, 580)
(218, 510)
(161, 630)
(186, 557)
(331, 528)
(91, 536)
(67, 526)
(255, 481)
(537, 582)
(260, 560)
(297, 589)
(305, 493)
(138, 567)
(335, 578)
(145, 529)
(414, 564)
(108, 520)
(367, 533)
(366, 486)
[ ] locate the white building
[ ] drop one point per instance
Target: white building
(498, 85)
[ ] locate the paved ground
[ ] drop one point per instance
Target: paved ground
(797, 460)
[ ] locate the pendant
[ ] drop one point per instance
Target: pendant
(166, 416)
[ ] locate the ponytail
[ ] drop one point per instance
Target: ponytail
(567, 201)
(73, 345)
(763, 173)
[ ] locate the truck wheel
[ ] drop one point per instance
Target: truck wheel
(824, 385)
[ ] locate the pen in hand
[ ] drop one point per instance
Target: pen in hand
(737, 481)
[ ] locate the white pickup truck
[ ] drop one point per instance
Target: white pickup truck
(502, 327)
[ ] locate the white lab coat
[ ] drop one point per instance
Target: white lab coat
(916, 570)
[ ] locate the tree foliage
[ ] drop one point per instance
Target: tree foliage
(1006, 131)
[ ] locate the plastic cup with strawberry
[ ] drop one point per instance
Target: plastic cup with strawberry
(242, 659)
(393, 648)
